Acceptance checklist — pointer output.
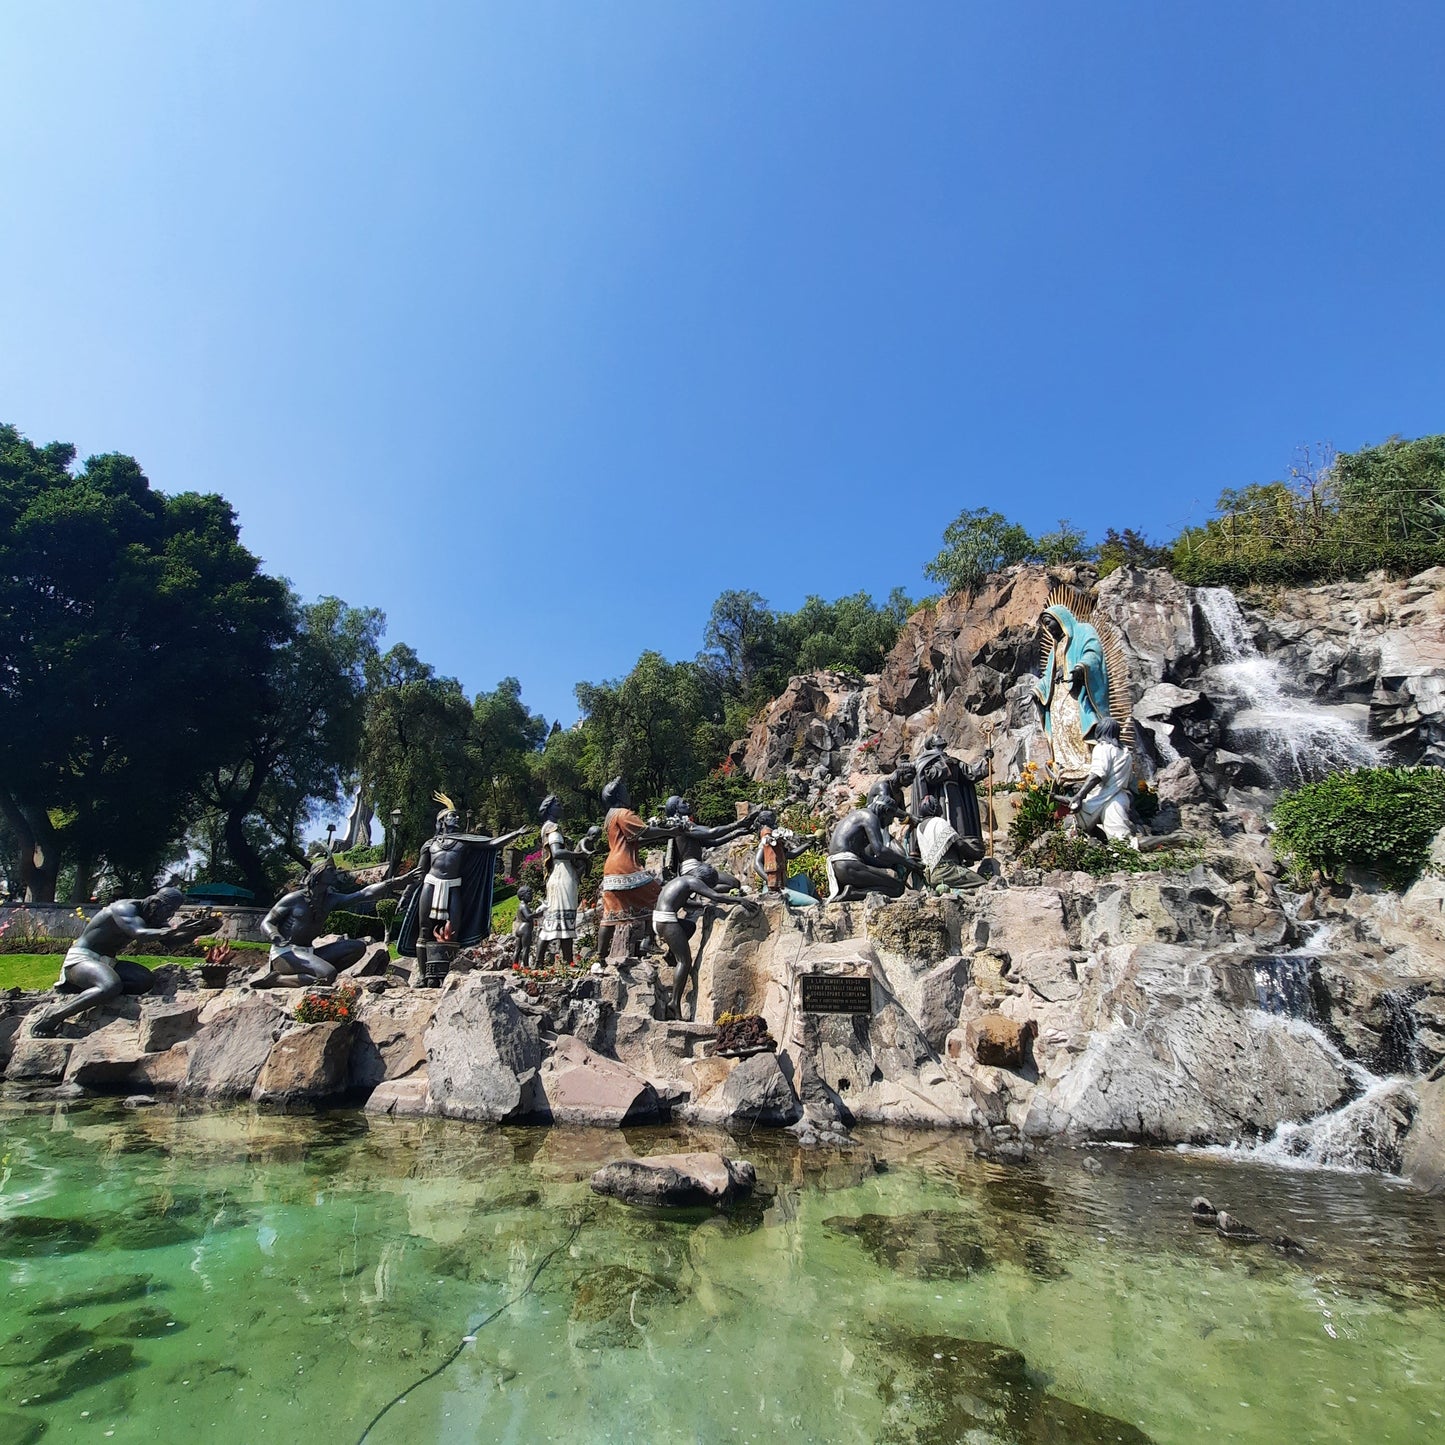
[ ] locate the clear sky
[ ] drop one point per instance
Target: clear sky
(539, 325)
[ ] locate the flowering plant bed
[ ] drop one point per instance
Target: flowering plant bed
(336, 1006)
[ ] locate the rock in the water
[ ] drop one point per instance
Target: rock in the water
(482, 1053)
(1201, 1211)
(758, 1091)
(676, 1180)
(401, 1098)
(1234, 1229)
(307, 1062)
(139, 1101)
(999, 1042)
(577, 1086)
(38, 1060)
(227, 1055)
(106, 1057)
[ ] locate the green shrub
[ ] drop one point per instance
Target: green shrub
(1034, 818)
(353, 925)
(1076, 853)
(1380, 819)
(715, 797)
(361, 857)
(813, 865)
(386, 911)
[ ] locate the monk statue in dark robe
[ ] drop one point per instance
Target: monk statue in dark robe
(951, 783)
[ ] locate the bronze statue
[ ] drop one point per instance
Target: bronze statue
(562, 868)
(777, 847)
(685, 847)
(1102, 801)
(522, 928)
(860, 858)
(629, 891)
(951, 784)
(941, 851)
(298, 917)
(674, 931)
(453, 903)
(91, 970)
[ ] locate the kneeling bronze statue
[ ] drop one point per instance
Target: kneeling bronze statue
(92, 972)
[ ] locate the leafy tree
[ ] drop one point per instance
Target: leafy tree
(976, 543)
(1129, 549)
(505, 738)
(741, 644)
(1065, 544)
(660, 727)
(303, 741)
(1395, 492)
(416, 739)
(135, 631)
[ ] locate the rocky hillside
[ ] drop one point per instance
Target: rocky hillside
(1227, 691)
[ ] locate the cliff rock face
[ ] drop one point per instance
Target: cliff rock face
(1231, 685)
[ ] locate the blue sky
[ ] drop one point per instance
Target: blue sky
(539, 325)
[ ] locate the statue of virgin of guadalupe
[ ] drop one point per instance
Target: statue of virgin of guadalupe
(1083, 682)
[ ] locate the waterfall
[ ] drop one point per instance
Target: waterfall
(1367, 1133)
(1298, 740)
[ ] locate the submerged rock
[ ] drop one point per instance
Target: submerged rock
(25, 1236)
(930, 1244)
(676, 1180)
(1235, 1230)
(36, 1345)
(937, 1388)
(60, 1379)
(614, 1305)
(1201, 1211)
(111, 1290)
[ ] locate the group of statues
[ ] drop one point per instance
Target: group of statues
(920, 826)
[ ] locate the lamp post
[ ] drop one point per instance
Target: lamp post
(393, 835)
(330, 833)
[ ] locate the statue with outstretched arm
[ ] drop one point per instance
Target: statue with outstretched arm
(629, 891)
(299, 916)
(860, 858)
(92, 972)
(686, 846)
(674, 932)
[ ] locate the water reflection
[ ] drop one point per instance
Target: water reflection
(243, 1276)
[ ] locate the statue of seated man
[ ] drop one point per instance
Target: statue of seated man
(686, 846)
(942, 851)
(92, 972)
(860, 858)
(1102, 801)
(297, 917)
(674, 932)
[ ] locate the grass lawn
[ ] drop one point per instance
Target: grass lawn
(40, 970)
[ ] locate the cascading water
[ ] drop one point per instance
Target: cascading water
(1297, 740)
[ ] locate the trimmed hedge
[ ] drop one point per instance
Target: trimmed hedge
(1379, 819)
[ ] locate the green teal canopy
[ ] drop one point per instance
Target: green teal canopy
(220, 893)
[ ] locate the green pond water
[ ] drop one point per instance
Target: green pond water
(240, 1276)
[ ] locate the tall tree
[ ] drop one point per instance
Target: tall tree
(416, 739)
(304, 738)
(505, 739)
(134, 633)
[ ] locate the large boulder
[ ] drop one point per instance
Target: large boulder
(676, 1180)
(38, 1060)
(389, 1041)
(228, 1053)
(757, 1092)
(577, 1086)
(1424, 1149)
(165, 1023)
(107, 1058)
(482, 1053)
(306, 1063)
(1168, 1054)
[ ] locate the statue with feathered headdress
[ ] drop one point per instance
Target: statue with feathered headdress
(453, 901)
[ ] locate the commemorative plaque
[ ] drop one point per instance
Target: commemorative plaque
(836, 993)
